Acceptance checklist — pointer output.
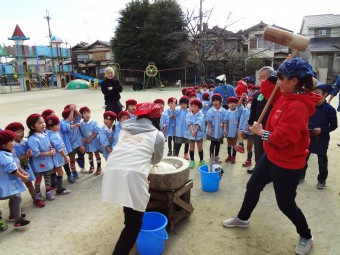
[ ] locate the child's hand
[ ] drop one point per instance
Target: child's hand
(52, 152)
(24, 178)
(108, 150)
(318, 130)
(77, 125)
(67, 160)
(72, 107)
(193, 133)
(225, 132)
(172, 116)
(29, 153)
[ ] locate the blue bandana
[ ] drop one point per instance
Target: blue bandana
(325, 88)
(296, 67)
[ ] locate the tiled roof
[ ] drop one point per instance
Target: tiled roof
(324, 20)
(324, 44)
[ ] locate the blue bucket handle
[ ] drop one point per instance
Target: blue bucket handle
(165, 237)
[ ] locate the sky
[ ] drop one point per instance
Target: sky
(88, 20)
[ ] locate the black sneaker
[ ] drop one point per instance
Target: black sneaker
(169, 153)
(250, 171)
(11, 217)
(21, 223)
(321, 185)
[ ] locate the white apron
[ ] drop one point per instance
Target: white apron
(127, 168)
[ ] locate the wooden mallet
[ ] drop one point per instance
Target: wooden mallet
(285, 38)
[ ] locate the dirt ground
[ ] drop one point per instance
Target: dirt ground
(80, 223)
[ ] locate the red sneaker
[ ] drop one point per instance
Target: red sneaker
(228, 159)
(233, 160)
(247, 163)
(239, 148)
(39, 203)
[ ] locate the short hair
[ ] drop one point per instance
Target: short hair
(109, 68)
(269, 69)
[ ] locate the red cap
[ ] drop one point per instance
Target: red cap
(6, 136)
(15, 126)
(51, 121)
(196, 102)
(31, 118)
(205, 86)
(159, 101)
(66, 113)
(184, 90)
(84, 109)
(184, 100)
(192, 94)
(188, 92)
(211, 86)
(197, 87)
(46, 113)
(123, 113)
(254, 87)
(68, 106)
(232, 100)
(172, 100)
(205, 96)
(217, 95)
(150, 110)
(130, 102)
(110, 115)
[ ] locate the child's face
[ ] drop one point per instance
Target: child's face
(172, 105)
(8, 146)
(19, 135)
(204, 88)
(232, 106)
(108, 123)
(131, 108)
(109, 74)
(197, 90)
(161, 106)
(192, 98)
(211, 89)
(86, 116)
(124, 118)
(40, 125)
(194, 108)
(216, 104)
(183, 106)
(55, 128)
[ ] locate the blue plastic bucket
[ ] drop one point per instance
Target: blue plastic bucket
(210, 180)
(151, 238)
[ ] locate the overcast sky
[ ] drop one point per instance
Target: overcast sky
(88, 20)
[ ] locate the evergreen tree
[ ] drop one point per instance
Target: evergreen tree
(150, 32)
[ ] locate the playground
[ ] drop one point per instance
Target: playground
(80, 223)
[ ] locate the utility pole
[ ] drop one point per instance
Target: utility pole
(201, 17)
(48, 23)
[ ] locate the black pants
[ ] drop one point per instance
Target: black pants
(133, 224)
(116, 107)
(258, 148)
(285, 183)
(323, 168)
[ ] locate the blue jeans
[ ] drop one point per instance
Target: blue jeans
(285, 182)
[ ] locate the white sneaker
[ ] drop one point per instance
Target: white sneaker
(304, 246)
(235, 222)
(83, 171)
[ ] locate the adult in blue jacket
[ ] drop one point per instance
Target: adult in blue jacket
(226, 90)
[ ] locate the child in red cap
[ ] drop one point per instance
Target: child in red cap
(90, 129)
(164, 121)
(11, 178)
(171, 130)
(194, 131)
(42, 160)
(60, 158)
(131, 107)
(107, 132)
(23, 154)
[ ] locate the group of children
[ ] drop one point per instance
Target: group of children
(54, 143)
(51, 146)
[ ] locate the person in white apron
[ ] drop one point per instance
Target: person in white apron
(125, 181)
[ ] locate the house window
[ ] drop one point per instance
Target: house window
(322, 32)
(253, 43)
(82, 57)
(322, 61)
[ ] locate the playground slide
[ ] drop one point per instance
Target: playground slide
(85, 77)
